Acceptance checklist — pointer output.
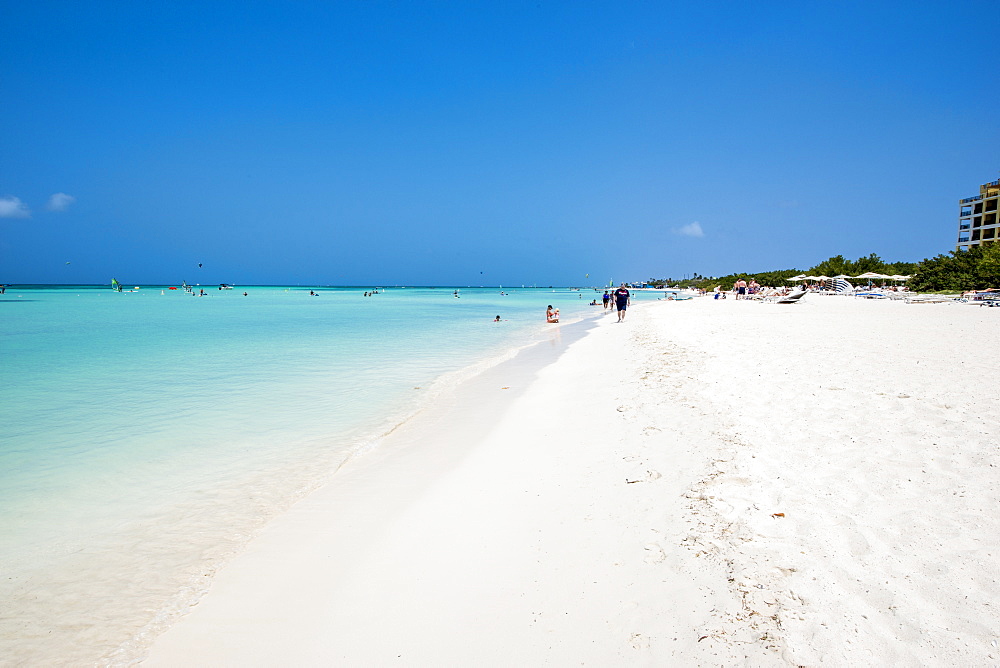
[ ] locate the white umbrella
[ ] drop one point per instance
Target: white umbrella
(871, 274)
(897, 277)
(800, 277)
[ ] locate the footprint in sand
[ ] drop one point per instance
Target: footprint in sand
(656, 553)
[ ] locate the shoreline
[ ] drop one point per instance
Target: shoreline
(703, 484)
(443, 547)
(131, 522)
(516, 363)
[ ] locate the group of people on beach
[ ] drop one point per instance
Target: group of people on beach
(621, 297)
(622, 300)
(744, 289)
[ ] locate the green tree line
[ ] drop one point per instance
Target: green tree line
(975, 269)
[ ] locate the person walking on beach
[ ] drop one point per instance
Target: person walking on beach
(622, 301)
(606, 298)
(741, 289)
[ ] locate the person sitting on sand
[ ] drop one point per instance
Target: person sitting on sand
(551, 314)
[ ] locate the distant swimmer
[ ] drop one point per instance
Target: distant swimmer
(244, 294)
(497, 319)
(551, 314)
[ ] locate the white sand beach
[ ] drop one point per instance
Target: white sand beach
(708, 483)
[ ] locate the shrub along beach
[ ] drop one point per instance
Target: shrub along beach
(957, 271)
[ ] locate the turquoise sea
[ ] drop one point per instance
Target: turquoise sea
(147, 435)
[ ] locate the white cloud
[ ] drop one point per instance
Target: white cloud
(13, 207)
(60, 202)
(690, 230)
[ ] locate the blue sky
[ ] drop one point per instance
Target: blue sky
(485, 142)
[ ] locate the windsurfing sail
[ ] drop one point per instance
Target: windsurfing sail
(115, 285)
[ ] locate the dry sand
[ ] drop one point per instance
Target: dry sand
(709, 483)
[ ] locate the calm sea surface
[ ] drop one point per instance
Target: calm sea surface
(145, 436)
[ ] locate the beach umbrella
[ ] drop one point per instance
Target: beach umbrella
(841, 284)
(871, 274)
(897, 277)
(800, 277)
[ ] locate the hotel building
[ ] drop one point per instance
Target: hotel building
(977, 218)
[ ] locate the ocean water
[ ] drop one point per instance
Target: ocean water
(146, 436)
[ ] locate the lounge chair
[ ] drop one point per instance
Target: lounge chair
(786, 299)
(929, 299)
